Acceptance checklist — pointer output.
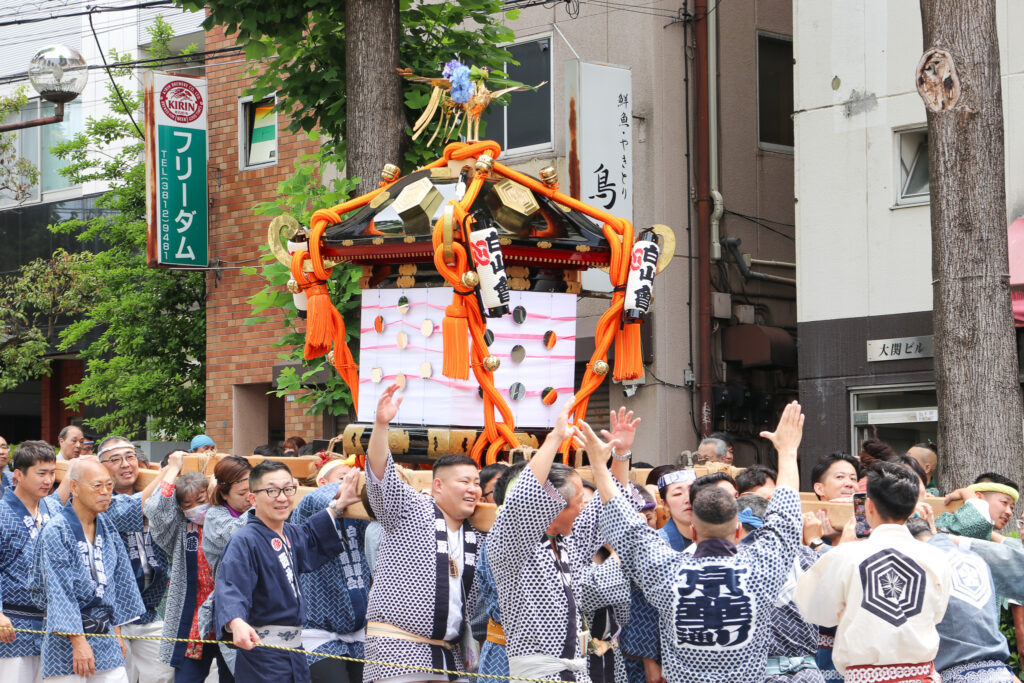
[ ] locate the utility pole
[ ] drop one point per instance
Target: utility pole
(976, 372)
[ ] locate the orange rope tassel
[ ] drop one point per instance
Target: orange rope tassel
(628, 358)
(323, 321)
(455, 329)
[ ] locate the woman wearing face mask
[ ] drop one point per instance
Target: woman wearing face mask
(176, 518)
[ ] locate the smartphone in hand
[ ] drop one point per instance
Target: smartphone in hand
(859, 510)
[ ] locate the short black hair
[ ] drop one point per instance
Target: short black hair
(996, 478)
(918, 528)
(709, 481)
(263, 469)
(893, 488)
(821, 467)
(451, 460)
(307, 449)
(268, 451)
(713, 505)
(490, 472)
(930, 445)
(505, 478)
(913, 464)
(31, 453)
(753, 477)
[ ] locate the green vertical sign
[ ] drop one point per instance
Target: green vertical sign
(181, 191)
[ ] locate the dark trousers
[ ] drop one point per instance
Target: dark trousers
(336, 671)
(196, 670)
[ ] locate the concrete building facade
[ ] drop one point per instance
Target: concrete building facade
(862, 213)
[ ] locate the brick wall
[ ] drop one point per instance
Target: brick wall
(237, 353)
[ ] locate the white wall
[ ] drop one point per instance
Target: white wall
(857, 253)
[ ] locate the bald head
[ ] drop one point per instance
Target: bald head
(84, 469)
(925, 457)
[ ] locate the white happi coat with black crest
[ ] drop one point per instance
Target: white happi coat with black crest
(539, 615)
(886, 594)
(411, 578)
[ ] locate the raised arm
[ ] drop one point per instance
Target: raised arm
(540, 463)
(377, 451)
(786, 439)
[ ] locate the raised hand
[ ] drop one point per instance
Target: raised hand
(623, 429)
(563, 430)
(597, 450)
(348, 493)
(387, 406)
(175, 460)
(788, 434)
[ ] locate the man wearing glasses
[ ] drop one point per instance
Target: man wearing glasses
(259, 596)
(83, 582)
(149, 562)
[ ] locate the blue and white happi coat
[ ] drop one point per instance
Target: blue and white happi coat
(66, 587)
(791, 635)
(715, 611)
(493, 657)
(971, 647)
(539, 610)
(603, 593)
(125, 512)
(411, 578)
(5, 480)
(258, 582)
(18, 535)
(337, 592)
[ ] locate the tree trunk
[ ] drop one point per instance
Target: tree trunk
(375, 120)
(979, 396)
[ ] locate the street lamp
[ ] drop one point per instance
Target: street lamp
(59, 74)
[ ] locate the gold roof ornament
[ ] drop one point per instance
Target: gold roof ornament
(416, 204)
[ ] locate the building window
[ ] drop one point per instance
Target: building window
(34, 144)
(775, 93)
(525, 124)
(257, 133)
(912, 148)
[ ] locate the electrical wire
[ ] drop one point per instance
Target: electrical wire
(759, 221)
(117, 89)
(90, 11)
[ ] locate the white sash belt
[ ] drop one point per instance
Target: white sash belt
(281, 636)
(538, 665)
(312, 638)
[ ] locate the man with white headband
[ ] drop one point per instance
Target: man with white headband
(150, 564)
(988, 505)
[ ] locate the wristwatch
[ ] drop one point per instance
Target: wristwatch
(625, 456)
(816, 543)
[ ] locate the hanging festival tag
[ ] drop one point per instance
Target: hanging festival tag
(490, 267)
(643, 264)
(299, 297)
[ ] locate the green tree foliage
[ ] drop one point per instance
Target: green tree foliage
(17, 174)
(141, 331)
(301, 51)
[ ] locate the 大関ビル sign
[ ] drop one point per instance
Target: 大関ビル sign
(176, 192)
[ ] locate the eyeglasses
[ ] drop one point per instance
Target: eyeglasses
(274, 492)
(118, 459)
(102, 486)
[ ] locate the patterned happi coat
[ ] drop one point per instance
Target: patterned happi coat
(18, 535)
(493, 657)
(5, 480)
(604, 594)
(65, 586)
(125, 513)
(540, 613)
(715, 611)
(791, 635)
(182, 540)
(337, 592)
(410, 578)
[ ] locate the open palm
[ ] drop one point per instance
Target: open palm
(623, 429)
